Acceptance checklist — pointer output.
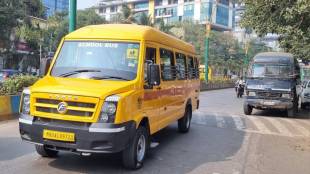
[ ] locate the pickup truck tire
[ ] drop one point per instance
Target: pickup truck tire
(184, 123)
(44, 152)
(134, 154)
(247, 109)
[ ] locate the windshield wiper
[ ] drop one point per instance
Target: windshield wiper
(109, 77)
(76, 72)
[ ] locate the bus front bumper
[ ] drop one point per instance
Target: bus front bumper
(89, 138)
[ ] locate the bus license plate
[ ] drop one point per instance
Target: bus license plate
(60, 136)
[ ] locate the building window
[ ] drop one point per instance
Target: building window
(225, 2)
(167, 64)
(113, 9)
(102, 10)
(205, 11)
(141, 5)
(185, 1)
(188, 11)
(158, 2)
(222, 14)
(170, 2)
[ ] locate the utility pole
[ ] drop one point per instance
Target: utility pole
(208, 30)
(72, 15)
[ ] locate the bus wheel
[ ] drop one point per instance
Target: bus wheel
(184, 123)
(44, 152)
(134, 154)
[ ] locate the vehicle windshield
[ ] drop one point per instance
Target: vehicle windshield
(97, 60)
(271, 70)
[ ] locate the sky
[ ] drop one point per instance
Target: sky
(82, 4)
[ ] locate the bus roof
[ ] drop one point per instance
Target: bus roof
(129, 32)
(274, 57)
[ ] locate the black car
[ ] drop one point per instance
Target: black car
(272, 83)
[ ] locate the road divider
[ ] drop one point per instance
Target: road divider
(9, 107)
(214, 86)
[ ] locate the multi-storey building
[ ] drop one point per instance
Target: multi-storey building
(243, 35)
(176, 10)
(53, 6)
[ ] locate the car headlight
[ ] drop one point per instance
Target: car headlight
(286, 95)
(25, 107)
(108, 110)
(251, 93)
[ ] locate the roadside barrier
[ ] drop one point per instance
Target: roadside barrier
(9, 107)
(213, 86)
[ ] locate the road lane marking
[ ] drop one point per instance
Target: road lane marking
(238, 122)
(220, 122)
(294, 123)
(279, 126)
(259, 124)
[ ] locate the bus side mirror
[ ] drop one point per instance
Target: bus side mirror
(153, 75)
(44, 66)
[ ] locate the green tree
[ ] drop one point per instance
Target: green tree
(31, 31)
(58, 26)
(11, 13)
(289, 19)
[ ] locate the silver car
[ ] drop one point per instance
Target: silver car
(305, 95)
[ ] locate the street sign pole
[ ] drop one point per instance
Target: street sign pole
(208, 29)
(72, 15)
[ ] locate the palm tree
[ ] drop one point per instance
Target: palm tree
(127, 15)
(145, 19)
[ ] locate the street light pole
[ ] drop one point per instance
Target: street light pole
(72, 15)
(208, 30)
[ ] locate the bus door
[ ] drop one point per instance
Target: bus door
(151, 99)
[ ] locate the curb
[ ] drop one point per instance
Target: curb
(9, 107)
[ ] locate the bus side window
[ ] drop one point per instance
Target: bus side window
(180, 66)
(191, 67)
(150, 57)
(167, 64)
(196, 68)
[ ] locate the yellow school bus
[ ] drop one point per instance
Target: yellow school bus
(108, 89)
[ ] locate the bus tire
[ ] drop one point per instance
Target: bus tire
(134, 154)
(44, 152)
(184, 123)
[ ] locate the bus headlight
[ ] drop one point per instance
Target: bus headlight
(108, 110)
(25, 108)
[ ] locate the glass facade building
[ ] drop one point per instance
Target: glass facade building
(177, 10)
(53, 6)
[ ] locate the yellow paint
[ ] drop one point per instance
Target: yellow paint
(202, 71)
(134, 103)
(5, 105)
(152, 9)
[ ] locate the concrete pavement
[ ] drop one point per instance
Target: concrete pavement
(221, 141)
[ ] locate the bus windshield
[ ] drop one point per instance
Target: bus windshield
(271, 70)
(99, 60)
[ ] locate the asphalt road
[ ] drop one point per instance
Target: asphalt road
(221, 141)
